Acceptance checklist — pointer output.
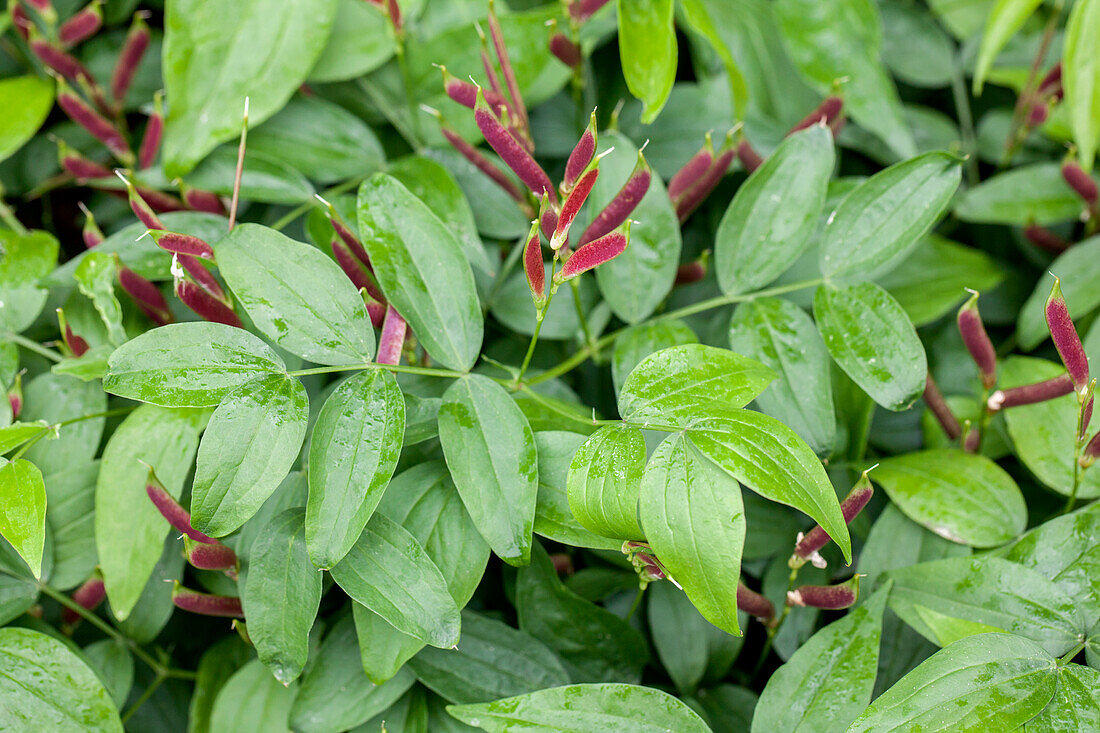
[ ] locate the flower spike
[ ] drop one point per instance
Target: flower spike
(1029, 394)
(99, 127)
(511, 151)
(809, 544)
(709, 180)
(138, 205)
(573, 204)
(754, 603)
(479, 161)
(182, 244)
(392, 339)
(692, 171)
(506, 70)
(145, 294)
(91, 233)
(154, 131)
(171, 510)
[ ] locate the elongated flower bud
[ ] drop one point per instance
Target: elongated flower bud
(645, 563)
(84, 24)
(350, 264)
(811, 543)
(572, 206)
(146, 295)
(626, 200)
(825, 113)
(206, 305)
(209, 555)
(692, 171)
(1081, 182)
(1045, 239)
(133, 49)
(691, 272)
(78, 166)
(171, 510)
(392, 339)
(88, 596)
(514, 155)
(595, 253)
(99, 127)
(582, 10)
(506, 70)
(1038, 114)
(754, 604)
(565, 50)
(977, 341)
(470, 153)
(1052, 82)
(465, 93)
(829, 597)
(940, 409)
(200, 200)
(77, 345)
(487, 63)
(154, 131)
(583, 153)
(15, 396)
(91, 233)
(393, 12)
(161, 202)
(750, 159)
(698, 193)
(139, 206)
(52, 56)
(1029, 394)
(1086, 416)
(353, 244)
(206, 604)
(1065, 338)
(183, 244)
(534, 267)
(1091, 452)
(21, 21)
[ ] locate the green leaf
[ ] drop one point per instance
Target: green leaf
(318, 138)
(682, 488)
(154, 606)
(638, 342)
(584, 708)
(915, 47)
(70, 515)
(296, 296)
(421, 270)
(252, 700)
(334, 694)
(637, 281)
(490, 451)
(932, 280)
(553, 517)
(681, 384)
(113, 663)
(192, 364)
(352, 454)
(263, 178)
(1030, 194)
(211, 64)
(769, 458)
(45, 686)
(895, 541)
(647, 48)
(873, 341)
(27, 259)
(389, 572)
(1074, 706)
(828, 41)
(963, 497)
(28, 100)
(1043, 433)
(281, 596)
(774, 214)
(248, 448)
(1081, 78)
(986, 683)
(1003, 22)
(492, 661)
(605, 477)
(985, 590)
(23, 512)
(219, 662)
(690, 647)
(361, 41)
(780, 335)
(702, 20)
(1078, 269)
(594, 644)
(95, 276)
(879, 223)
(56, 399)
(129, 531)
(14, 435)
(829, 680)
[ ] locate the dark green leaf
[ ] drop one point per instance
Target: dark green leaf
(70, 515)
(361, 40)
(1081, 77)
(1030, 194)
(1075, 705)
(605, 476)
(1077, 268)
(647, 48)
(553, 516)
(895, 541)
(112, 661)
(252, 700)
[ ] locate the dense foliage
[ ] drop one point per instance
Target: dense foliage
(651, 365)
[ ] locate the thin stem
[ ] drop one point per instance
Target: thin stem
(1068, 656)
(34, 346)
(424, 371)
(27, 446)
(102, 625)
(9, 218)
(1078, 442)
(148, 693)
(305, 208)
(240, 169)
(105, 413)
(580, 312)
(637, 602)
(966, 122)
(531, 346)
(773, 630)
(1024, 101)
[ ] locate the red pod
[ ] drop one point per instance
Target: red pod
(350, 264)
(810, 543)
(21, 21)
(133, 49)
(392, 339)
(487, 62)
(534, 267)
(209, 555)
(465, 93)
(583, 153)
(142, 210)
(939, 407)
(15, 396)
(828, 597)
(200, 200)
(146, 295)
(1038, 114)
(748, 156)
(82, 25)
(565, 50)
(595, 253)
(206, 305)
(506, 70)
(93, 122)
(182, 244)
(376, 311)
(572, 206)
(692, 272)
(76, 344)
(78, 166)
(202, 277)
(161, 202)
(977, 340)
(1066, 339)
(206, 604)
(1086, 418)
(470, 153)
(89, 595)
(754, 604)
(511, 151)
(625, 201)
(393, 10)
(692, 171)
(1081, 182)
(91, 233)
(827, 113)
(353, 244)
(707, 183)
(1029, 394)
(52, 56)
(1045, 239)
(582, 10)
(1091, 452)
(154, 131)
(171, 510)
(1052, 82)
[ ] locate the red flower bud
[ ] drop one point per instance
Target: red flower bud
(1081, 182)
(350, 264)
(1030, 394)
(142, 210)
(392, 339)
(154, 131)
(210, 556)
(161, 202)
(1045, 239)
(206, 604)
(146, 295)
(511, 151)
(93, 122)
(977, 341)
(583, 153)
(487, 64)
(1091, 452)
(809, 545)
(506, 70)
(754, 604)
(82, 25)
(750, 159)
(625, 201)
(21, 21)
(595, 253)
(1086, 417)
(582, 10)
(1065, 337)
(393, 11)
(206, 305)
(465, 93)
(15, 396)
(183, 244)
(1038, 114)
(534, 267)
(939, 407)
(825, 113)
(829, 597)
(202, 277)
(76, 344)
(572, 206)
(1052, 82)
(91, 233)
(470, 153)
(133, 49)
(707, 182)
(565, 50)
(353, 244)
(200, 200)
(171, 510)
(78, 166)
(52, 56)
(88, 596)
(692, 171)
(689, 273)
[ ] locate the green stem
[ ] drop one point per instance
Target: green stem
(539, 317)
(580, 313)
(1068, 656)
(9, 218)
(637, 602)
(423, 371)
(1017, 131)
(34, 346)
(305, 208)
(94, 415)
(966, 122)
(27, 446)
(148, 693)
(1078, 443)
